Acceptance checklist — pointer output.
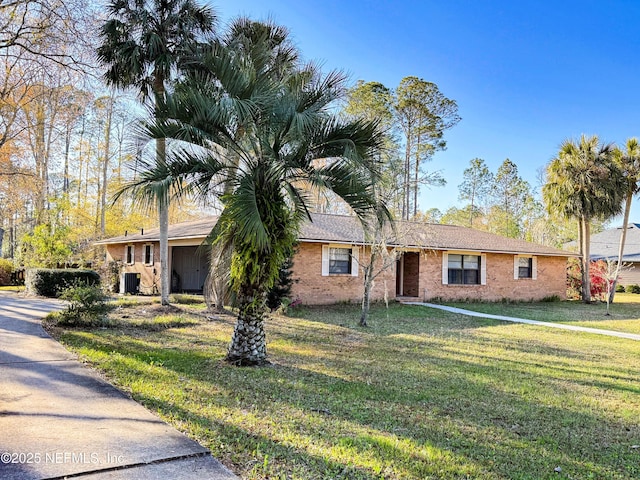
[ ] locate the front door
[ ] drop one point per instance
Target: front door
(408, 275)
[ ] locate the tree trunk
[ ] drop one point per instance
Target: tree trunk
(366, 297)
(471, 210)
(586, 280)
(12, 236)
(40, 160)
(248, 344)
(163, 214)
(105, 168)
(623, 239)
(416, 178)
(80, 161)
(67, 147)
(163, 200)
(406, 180)
(216, 290)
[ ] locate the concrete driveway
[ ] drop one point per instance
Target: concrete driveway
(58, 418)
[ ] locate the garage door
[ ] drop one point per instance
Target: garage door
(190, 266)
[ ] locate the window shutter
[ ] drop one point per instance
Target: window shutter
(355, 266)
(534, 268)
(483, 269)
(325, 260)
(516, 267)
(445, 268)
(125, 258)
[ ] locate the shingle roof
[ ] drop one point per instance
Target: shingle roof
(605, 244)
(347, 229)
(185, 230)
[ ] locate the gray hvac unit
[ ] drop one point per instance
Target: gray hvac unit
(130, 283)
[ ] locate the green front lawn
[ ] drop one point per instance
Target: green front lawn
(624, 313)
(419, 394)
(12, 288)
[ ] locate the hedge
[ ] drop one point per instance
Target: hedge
(6, 268)
(52, 282)
(633, 288)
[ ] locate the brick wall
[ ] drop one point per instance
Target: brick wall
(147, 275)
(551, 280)
(314, 289)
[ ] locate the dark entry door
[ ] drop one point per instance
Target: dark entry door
(189, 269)
(408, 275)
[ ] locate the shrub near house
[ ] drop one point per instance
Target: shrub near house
(52, 282)
(6, 268)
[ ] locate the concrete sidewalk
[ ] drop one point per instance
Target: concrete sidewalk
(59, 419)
(563, 326)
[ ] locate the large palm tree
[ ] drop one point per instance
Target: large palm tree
(267, 47)
(260, 142)
(143, 43)
(630, 166)
(585, 183)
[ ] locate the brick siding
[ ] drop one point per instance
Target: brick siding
(551, 280)
(314, 289)
(149, 274)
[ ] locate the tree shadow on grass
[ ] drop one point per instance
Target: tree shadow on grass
(256, 455)
(449, 406)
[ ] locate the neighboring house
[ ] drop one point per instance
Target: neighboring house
(605, 245)
(434, 262)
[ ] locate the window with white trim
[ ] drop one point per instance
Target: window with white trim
(524, 266)
(148, 254)
(129, 255)
(339, 260)
(464, 269)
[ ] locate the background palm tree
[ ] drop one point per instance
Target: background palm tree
(629, 161)
(584, 182)
(143, 43)
(260, 143)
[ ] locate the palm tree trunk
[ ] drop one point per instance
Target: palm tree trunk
(216, 290)
(586, 280)
(248, 345)
(623, 239)
(163, 214)
(163, 200)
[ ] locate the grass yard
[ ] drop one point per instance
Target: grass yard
(624, 313)
(420, 394)
(12, 288)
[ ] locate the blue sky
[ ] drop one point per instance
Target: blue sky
(526, 74)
